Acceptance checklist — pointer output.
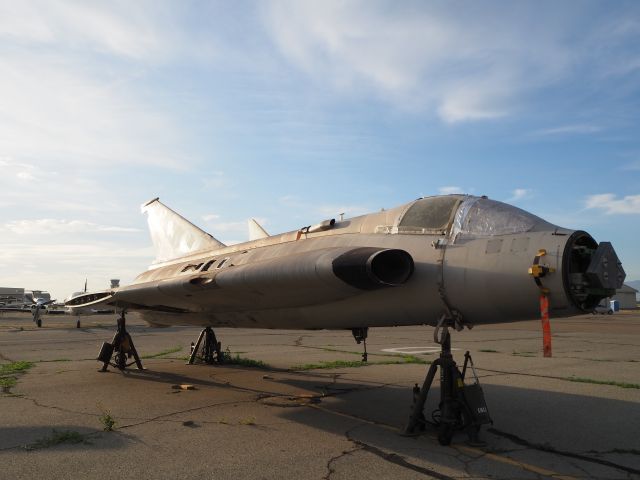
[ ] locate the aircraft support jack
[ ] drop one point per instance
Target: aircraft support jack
(211, 351)
(360, 335)
(123, 347)
(461, 407)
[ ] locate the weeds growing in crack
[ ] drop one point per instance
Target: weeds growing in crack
(245, 362)
(248, 421)
(163, 353)
(400, 360)
(57, 438)
(603, 382)
(106, 419)
(9, 373)
(14, 367)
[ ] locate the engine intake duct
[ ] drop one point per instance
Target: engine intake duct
(369, 268)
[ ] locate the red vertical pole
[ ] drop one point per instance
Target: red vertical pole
(546, 326)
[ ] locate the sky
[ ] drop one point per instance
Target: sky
(292, 112)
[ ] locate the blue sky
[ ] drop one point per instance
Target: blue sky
(292, 112)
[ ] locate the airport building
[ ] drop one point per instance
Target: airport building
(9, 295)
(626, 296)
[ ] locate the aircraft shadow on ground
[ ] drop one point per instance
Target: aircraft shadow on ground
(42, 437)
(579, 428)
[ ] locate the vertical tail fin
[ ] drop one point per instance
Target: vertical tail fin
(256, 232)
(173, 235)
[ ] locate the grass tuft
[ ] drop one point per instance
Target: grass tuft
(488, 350)
(7, 382)
(603, 382)
(107, 421)
(163, 353)
(14, 367)
(57, 438)
(523, 354)
(248, 421)
(399, 360)
(8, 372)
(245, 362)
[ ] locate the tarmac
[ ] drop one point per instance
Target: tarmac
(575, 415)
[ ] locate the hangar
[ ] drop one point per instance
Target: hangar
(626, 296)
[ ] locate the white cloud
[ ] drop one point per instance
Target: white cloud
(117, 28)
(611, 205)
(48, 226)
(215, 180)
(69, 83)
(334, 211)
(576, 129)
(450, 190)
(632, 166)
(463, 66)
(519, 194)
(62, 268)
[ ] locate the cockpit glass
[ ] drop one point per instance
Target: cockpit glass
(482, 217)
(431, 213)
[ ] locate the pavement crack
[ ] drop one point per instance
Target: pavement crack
(626, 451)
(330, 469)
(187, 410)
(392, 458)
(55, 407)
(549, 449)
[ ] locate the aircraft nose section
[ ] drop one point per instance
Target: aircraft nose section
(592, 271)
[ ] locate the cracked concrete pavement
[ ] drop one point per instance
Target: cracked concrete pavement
(326, 423)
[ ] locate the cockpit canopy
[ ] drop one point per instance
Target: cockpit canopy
(465, 216)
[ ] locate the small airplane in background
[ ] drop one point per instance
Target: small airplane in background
(450, 261)
(34, 305)
(83, 311)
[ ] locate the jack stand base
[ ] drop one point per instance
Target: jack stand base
(360, 336)
(461, 407)
(211, 348)
(123, 347)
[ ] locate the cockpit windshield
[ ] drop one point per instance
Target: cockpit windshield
(482, 217)
(430, 214)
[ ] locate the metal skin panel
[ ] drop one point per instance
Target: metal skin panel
(490, 288)
(478, 267)
(324, 302)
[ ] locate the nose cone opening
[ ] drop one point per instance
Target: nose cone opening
(592, 271)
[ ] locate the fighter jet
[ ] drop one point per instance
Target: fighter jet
(472, 259)
(450, 261)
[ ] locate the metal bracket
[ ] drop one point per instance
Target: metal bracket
(453, 320)
(538, 271)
